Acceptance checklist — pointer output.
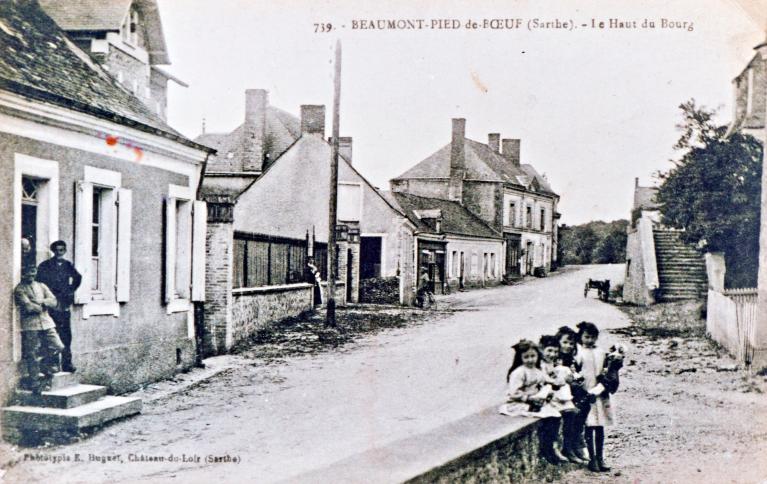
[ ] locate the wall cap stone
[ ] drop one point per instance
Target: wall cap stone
(244, 291)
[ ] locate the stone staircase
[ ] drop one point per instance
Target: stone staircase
(681, 268)
(62, 412)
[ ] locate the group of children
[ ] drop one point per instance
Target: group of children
(566, 381)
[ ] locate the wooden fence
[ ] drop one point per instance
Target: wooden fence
(731, 321)
(263, 260)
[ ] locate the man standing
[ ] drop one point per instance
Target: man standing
(40, 342)
(63, 280)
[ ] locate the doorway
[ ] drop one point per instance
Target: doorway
(30, 200)
(370, 257)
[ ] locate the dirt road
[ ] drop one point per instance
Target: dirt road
(689, 415)
(282, 419)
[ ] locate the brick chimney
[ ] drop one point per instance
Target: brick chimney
(457, 160)
(344, 147)
(511, 149)
(313, 119)
(254, 128)
(636, 182)
(494, 142)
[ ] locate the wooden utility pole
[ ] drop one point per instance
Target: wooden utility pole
(330, 319)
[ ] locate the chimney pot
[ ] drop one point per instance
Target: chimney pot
(256, 102)
(636, 182)
(313, 119)
(494, 142)
(511, 150)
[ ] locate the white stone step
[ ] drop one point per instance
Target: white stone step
(67, 397)
(21, 423)
(63, 380)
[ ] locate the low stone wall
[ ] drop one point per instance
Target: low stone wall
(256, 308)
(484, 447)
(379, 290)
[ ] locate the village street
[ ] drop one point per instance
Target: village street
(287, 418)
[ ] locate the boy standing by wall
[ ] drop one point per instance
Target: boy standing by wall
(40, 341)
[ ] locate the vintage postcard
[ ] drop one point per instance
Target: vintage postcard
(343, 241)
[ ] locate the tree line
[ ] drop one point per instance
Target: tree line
(595, 242)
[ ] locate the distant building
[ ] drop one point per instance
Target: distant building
(750, 96)
(457, 248)
(268, 194)
(511, 197)
(245, 152)
(126, 38)
(90, 163)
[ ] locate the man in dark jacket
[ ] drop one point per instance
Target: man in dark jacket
(63, 280)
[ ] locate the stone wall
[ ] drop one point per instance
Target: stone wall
(481, 447)
(380, 290)
(512, 458)
(641, 278)
(633, 286)
(256, 308)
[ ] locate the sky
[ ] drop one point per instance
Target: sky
(594, 107)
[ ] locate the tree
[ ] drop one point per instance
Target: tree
(611, 249)
(594, 242)
(713, 192)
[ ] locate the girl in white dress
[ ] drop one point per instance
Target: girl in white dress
(530, 395)
(592, 362)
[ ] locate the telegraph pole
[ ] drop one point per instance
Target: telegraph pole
(330, 319)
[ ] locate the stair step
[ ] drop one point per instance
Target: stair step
(63, 379)
(683, 279)
(68, 397)
(682, 287)
(20, 423)
(672, 298)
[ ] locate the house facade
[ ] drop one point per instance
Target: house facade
(489, 180)
(100, 170)
(275, 194)
(457, 248)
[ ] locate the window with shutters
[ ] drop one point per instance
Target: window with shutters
(102, 242)
(185, 227)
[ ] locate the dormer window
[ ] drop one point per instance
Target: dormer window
(129, 28)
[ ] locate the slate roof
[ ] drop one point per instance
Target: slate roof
(456, 219)
(644, 198)
(482, 163)
(93, 15)
(107, 15)
(282, 130)
(38, 61)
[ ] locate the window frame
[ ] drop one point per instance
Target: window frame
(105, 300)
(179, 206)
